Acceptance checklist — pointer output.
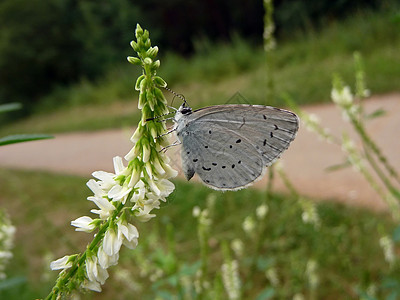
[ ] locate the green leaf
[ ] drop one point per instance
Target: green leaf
(377, 113)
(10, 107)
(337, 167)
(9, 283)
(19, 138)
(267, 293)
(396, 234)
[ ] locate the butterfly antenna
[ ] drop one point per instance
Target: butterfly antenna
(180, 96)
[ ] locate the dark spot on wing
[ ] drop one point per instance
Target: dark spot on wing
(276, 126)
(233, 166)
(214, 164)
(223, 167)
(195, 160)
(206, 169)
(230, 146)
(264, 117)
(265, 142)
(238, 141)
(206, 147)
(239, 162)
(271, 134)
(209, 131)
(188, 152)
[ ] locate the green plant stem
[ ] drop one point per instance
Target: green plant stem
(375, 149)
(63, 280)
(380, 174)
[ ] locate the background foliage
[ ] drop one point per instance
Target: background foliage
(45, 44)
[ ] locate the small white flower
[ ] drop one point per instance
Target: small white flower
(106, 207)
(158, 167)
(83, 224)
(61, 263)
(106, 179)
(342, 97)
(94, 186)
(92, 285)
(105, 260)
(237, 247)
(119, 166)
(127, 230)
(119, 193)
(135, 177)
(111, 242)
(133, 153)
(388, 249)
(249, 224)
(136, 135)
(196, 211)
(146, 153)
(94, 271)
(261, 211)
(162, 187)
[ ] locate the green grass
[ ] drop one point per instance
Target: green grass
(346, 246)
(302, 66)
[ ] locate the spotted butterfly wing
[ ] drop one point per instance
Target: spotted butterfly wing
(229, 146)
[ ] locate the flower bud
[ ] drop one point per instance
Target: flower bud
(134, 60)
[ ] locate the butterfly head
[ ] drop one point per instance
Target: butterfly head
(183, 110)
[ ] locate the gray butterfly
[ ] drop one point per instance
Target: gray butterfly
(230, 146)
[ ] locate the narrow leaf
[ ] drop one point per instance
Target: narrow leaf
(19, 138)
(377, 113)
(10, 107)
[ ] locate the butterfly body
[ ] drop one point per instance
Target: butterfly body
(230, 146)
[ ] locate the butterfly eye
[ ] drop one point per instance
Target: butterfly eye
(186, 111)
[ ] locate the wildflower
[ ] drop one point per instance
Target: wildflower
(237, 247)
(311, 273)
(261, 211)
(196, 211)
(310, 213)
(272, 276)
(7, 232)
(130, 193)
(249, 224)
(64, 262)
(230, 278)
(388, 249)
(343, 96)
(84, 224)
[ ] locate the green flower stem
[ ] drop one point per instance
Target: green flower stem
(64, 279)
(369, 143)
(147, 172)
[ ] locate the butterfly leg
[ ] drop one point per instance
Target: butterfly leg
(168, 132)
(176, 143)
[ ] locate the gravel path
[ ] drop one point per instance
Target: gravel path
(304, 162)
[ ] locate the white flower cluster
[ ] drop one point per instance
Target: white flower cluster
(7, 232)
(311, 273)
(345, 99)
(140, 191)
(231, 280)
(388, 249)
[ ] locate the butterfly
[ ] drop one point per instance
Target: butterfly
(230, 146)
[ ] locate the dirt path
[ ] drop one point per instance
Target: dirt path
(304, 162)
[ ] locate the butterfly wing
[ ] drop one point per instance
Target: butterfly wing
(229, 146)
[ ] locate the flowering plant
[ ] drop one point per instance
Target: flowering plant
(130, 193)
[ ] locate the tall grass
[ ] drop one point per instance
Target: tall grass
(345, 247)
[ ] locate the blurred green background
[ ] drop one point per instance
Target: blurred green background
(65, 61)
